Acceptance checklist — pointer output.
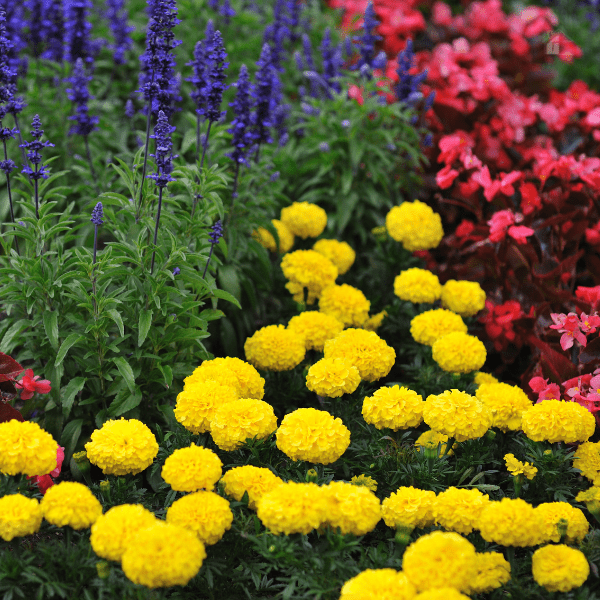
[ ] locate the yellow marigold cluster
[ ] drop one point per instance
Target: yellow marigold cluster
(431, 440)
(559, 568)
(493, 571)
(365, 481)
(308, 269)
(459, 509)
(256, 481)
(393, 407)
(558, 421)
(163, 555)
(346, 303)
(373, 323)
(415, 225)
(440, 559)
(274, 348)
(70, 503)
(459, 352)
(292, 508)
(444, 593)
(113, 531)
(417, 285)
(211, 371)
(339, 253)
(266, 239)
(332, 377)
(370, 354)
(408, 507)
(463, 297)
(481, 377)
(304, 219)
(237, 421)
(315, 327)
(511, 523)
(427, 327)
(587, 460)
(26, 448)
(248, 382)
(19, 516)
(507, 403)
(193, 468)
(205, 513)
(378, 584)
(574, 522)
(457, 414)
(516, 467)
(121, 447)
(312, 435)
(354, 509)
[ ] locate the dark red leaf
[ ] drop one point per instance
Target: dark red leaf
(9, 367)
(8, 413)
(590, 352)
(559, 365)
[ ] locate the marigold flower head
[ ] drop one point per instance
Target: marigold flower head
(308, 269)
(427, 327)
(304, 219)
(511, 523)
(122, 446)
(417, 285)
(354, 509)
(481, 377)
(346, 303)
(211, 371)
(506, 402)
(19, 516)
(393, 407)
(444, 593)
(383, 584)
(430, 440)
(26, 448)
(552, 512)
(312, 435)
(440, 559)
(163, 555)
(459, 509)
(559, 568)
(587, 460)
(365, 481)
(315, 327)
(493, 571)
(409, 507)
(332, 377)
(516, 467)
(266, 239)
(459, 352)
(370, 354)
(463, 297)
(374, 322)
(248, 382)
(237, 421)
(70, 503)
(415, 225)
(558, 421)
(274, 348)
(193, 468)
(339, 253)
(457, 414)
(257, 481)
(113, 531)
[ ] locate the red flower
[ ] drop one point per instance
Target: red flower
(569, 326)
(45, 481)
(591, 295)
(544, 390)
(499, 322)
(499, 224)
(30, 384)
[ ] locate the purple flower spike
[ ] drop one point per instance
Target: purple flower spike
(367, 42)
(79, 95)
(117, 17)
(78, 43)
(33, 154)
(240, 126)
(216, 232)
(163, 155)
(97, 214)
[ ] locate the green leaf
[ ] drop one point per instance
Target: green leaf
(51, 327)
(167, 374)
(144, 325)
(68, 393)
(116, 317)
(126, 372)
(70, 437)
(125, 401)
(226, 296)
(7, 341)
(65, 346)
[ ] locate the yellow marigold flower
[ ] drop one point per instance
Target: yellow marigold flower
(591, 497)
(481, 377)
(19, 516)
(417, 285)
(558, 421)
(440, 559)
(237, 421)
(378, 584)
(559, 568)
(339, 253)
(507, 403)
(312, 435)
(370, 354)
(354, 509)
(516, 467)
(193, 468)
(163, 555)
(427, 327)
(430, 440)
(205, 513)
(122, 446)
(266, 239)
(511, 523)
(209, 370)
(304, 219)
(459, 509)
(577, 525)
(114, 530)
(315, 327)
(26, 448)
(409, 507)
(373, 323)
(292, 508)
(457, 414)
(249, 382)
(415, 225)
(257, 481)
(463, 297)
(308, 269)
(587, 460)
(459, 352)
(274, 348)
(493, 571)
(70, 503)
(444, 593)
(197, 404)
(332, 377)
(346, 303)
(393, 407)
(365, 481)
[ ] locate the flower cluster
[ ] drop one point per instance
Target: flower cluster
(304, 219)
(26, 448)
(307, 269)
(266, 239)
(332, 377)
(316, 328)
(393, 407)
(574, 327)
(427, 327)
(193, 468)
(275, 348)
(459, 509)
(507, 404)
(339, 253)
(19, 516)
(465, 298)
(346, 303)
(231, 371)
(557, 421)
(409, 507)
(415, 225)
(417, 285)
(516, 467)
(352, 509)
(459, 352)
(255, 481)
(559, 568)
(378, 583)
(511, 523)
(70, 504)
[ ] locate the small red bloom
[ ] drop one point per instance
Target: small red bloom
(544, 390)
(30, 384)
(591, 295)
(45, 481)
(569, 325)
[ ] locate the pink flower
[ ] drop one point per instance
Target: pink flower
(45, 481)
(499, 223)
(569, 326)
(30, 385)
(591, 295)
(544, 390)
(520, 233)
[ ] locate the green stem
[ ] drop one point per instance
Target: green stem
(449, 445)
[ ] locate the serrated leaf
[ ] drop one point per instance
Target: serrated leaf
(70, 340)
(144, 325)
(51, 327)
(68, 393)
(126, 372)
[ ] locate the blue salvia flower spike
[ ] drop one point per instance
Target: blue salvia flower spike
(96, 219)
(54, 31)
(78, 43)
(216, 233)
(118, 20)
(332, 62)
(36, 25)
(367, 42)
(263, 94)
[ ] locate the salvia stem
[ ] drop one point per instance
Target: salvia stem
(23, 153)
(139, 206)
(160, 192)
(10, 202)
